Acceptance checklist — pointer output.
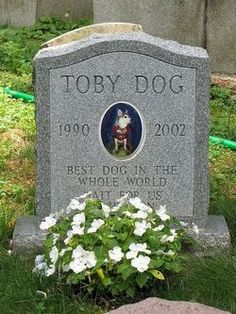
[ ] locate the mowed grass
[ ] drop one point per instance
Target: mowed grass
(209, 280)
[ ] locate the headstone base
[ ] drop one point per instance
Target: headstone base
(215, 234)
(28, 238)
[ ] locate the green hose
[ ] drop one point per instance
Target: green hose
(30, 98)
(224, 142)
(15, 94)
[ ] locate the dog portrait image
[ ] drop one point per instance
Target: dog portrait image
(121, 130)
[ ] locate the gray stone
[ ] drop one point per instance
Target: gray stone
(3, 12)
(17, 13)
(76, 8)
(178, 20)
(170, 164)
(82, 87)
(26, 12)
(160, 306)
(215, 234)
(27, 237)
(221, 35)
(86, 31)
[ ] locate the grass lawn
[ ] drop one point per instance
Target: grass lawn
(209, 280)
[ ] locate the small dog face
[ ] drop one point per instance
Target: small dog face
(123, 119)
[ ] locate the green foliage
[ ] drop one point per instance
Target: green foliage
(223, 113)
(115, 250)
(18, 46)
(207, 280)
(21, 82)
(22, 292)
(222, 174)
(220, 94)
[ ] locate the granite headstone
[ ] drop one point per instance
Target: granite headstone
(124, 112)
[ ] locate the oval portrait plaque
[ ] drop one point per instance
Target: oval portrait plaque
(122, 130)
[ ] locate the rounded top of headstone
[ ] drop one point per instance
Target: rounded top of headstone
(83, 32)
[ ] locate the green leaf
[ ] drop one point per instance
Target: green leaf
(157, 274)
(176, 267)
(127, 272)
(122, 267)
(75, 278)
(122, 285)
(142, 279)
(130, 291)
(100, 273)
(100, 252)
(48, 242)
(177, 245)
(158, 262)
(107, 281)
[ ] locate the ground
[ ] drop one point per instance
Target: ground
(209, 280)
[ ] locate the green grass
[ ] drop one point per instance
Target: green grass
(23, 292)
(209, 280)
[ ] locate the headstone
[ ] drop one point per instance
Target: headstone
(124, 112)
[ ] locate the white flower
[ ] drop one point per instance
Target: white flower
(106, 210)
(44, 294)
(141, 263)
(75, 205)
(136, 248)
(78, 252)
(62, 253)
(76, 266)
(195, 228)
(141, 227)
(173, 232)
(123, 198)
(184, 224)
(54, 254)
(77, 230)
(69, 237)
(165, 238)
(95, 225)
(115, 254)
(55, 237)
(159, 228)
(66, 267)
(51, 270)
(162, 213)
(140, 214)
(90, 259)
(78, 219)
(82, 259)
(85, 195)
(116, 208)
(168, 253)
(39, 259)
(127, 213)
(136, 202)
(59, 214)
(49, 222)
(40, 268)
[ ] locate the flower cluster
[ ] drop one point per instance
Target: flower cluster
(114, 247)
